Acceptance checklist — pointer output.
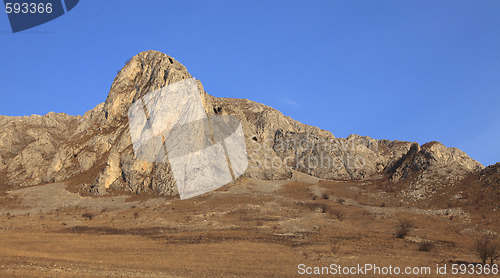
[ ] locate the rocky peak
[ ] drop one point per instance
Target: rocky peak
(144, 73)
(439, 154)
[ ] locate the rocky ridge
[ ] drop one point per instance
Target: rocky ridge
(96, 149)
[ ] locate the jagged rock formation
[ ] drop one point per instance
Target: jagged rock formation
(328, 157)
(424, 169)
(96, 150)
(490, 175)
(28, 146)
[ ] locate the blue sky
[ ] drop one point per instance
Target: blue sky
(399, 70)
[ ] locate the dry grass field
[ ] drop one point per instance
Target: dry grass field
(247, 229)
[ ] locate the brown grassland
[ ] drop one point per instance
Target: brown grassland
(246, 229)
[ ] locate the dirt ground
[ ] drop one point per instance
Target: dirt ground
(247, 229)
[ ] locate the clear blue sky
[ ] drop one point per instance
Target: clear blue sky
(406, 70)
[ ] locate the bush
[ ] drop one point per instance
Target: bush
(88, 215)
(338, 213)
(425, 246)
(403, 228)
(487, 248)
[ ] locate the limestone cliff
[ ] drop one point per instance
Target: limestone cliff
(95, 150)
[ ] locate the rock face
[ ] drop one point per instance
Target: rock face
(490, 176)
(28, 146)
(96, 150)
(433, 165)
(328, 157)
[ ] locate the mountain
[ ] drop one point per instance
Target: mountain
(96, 152)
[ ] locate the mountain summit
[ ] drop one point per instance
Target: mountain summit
(96, 152)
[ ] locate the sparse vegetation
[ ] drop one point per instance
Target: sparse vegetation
(403, 228)
(338, 214)
(487, 248)
(425, 246)
(88, 215)
(323, 229)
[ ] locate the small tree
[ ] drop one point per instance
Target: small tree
(495, 252)
(487, 248)
(403, 228)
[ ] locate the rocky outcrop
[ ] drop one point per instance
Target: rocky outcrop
(424, 169)
(327, 157)
(28, 146)
(95, 150)
(490, 176)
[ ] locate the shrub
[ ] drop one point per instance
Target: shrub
(487, 248)
(88, 215)
(338, 213)
(425, 246)
(403, 228)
